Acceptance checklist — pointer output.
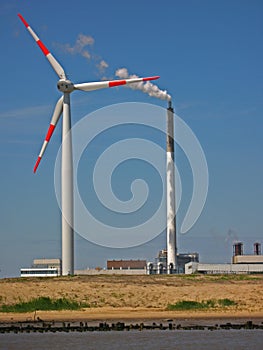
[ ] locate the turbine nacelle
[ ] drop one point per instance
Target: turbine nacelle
(65, 85)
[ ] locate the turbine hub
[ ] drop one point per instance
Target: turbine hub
(65, 85)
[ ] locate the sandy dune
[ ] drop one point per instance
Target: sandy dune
(137, 297)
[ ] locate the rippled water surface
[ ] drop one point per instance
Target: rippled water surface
(154, 340)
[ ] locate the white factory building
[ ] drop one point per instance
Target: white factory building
(42, 268)
(193, 267)
(241, 264)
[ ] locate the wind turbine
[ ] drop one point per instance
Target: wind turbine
(63, 105)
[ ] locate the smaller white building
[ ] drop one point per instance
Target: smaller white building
(42, 268)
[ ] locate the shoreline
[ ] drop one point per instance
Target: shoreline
(65, 322)
(130, 315)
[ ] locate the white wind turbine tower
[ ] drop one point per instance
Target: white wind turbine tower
(63, 105)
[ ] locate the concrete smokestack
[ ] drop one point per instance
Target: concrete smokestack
(171, 210)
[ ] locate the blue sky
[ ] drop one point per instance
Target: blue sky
(209, 56)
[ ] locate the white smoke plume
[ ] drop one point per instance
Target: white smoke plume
(146, 87)
(102, 65)
(83, 45)
(80, 47)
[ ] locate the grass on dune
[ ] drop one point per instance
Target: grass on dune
(43, 303)
(200, 305)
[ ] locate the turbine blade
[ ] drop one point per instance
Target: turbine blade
(110, 83)
(54, 63)
(56, 115)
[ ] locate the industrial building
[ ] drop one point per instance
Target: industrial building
(42, 268)
(240, 263)
(240, 258)
(126, 265)
(159, 266)
(193, 267)
(118, 267)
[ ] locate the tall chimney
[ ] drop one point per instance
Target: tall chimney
(171, 219)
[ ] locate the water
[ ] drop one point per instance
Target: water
(152, 340)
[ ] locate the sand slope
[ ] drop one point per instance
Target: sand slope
(134, 296)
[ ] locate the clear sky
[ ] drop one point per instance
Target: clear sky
(209, 55)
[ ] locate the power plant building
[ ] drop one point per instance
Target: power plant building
(126, 265)
(240, 263)
(240, 258)
(117, 267)
(193, 267)
(160, 264)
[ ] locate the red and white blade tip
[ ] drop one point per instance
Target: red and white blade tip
(38, 41)
(151, 78)
(23, 20)
(44, 146)
(54, 63)
(37, 164)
